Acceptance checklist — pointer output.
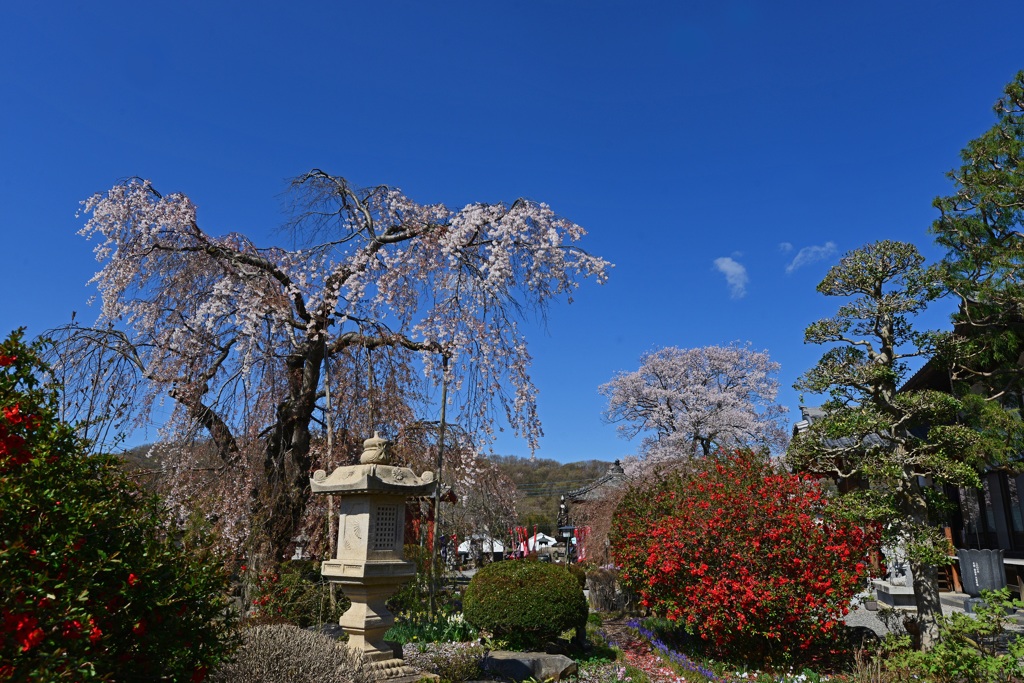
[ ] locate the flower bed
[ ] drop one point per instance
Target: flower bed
(643, 652)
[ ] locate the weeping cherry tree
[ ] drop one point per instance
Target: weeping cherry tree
(233, 337)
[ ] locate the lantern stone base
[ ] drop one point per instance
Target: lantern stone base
(366, 621)
(894, 596)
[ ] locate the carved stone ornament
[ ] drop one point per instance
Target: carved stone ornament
(376, 451)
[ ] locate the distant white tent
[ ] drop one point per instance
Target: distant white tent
(488, 545)
(538, 542)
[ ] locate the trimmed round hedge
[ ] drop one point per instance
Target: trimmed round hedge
(525, 603)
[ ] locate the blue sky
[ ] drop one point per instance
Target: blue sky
(680, 134)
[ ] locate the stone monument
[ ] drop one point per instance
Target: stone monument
(897, 588)
(370, 565)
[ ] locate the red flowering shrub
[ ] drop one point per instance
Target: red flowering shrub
(743, 556)
(295, 594)
(91, 588)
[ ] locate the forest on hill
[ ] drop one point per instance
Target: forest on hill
(540, 482)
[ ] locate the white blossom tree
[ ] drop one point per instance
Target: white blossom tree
(385, 289)
(690, 402)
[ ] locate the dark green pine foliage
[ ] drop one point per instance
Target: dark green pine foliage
(980, 226)
(880, 444)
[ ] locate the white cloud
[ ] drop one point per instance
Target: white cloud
(735, 274)
(810, 255)
(785, 247)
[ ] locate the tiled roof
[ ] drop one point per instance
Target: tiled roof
(614, 478)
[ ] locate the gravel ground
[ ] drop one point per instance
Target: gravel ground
(858, 616)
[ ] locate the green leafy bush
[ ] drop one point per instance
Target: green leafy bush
(526, 604)
(91, 586)
(444, 627)
(580, 573)
(970, 649)
(296, 594)
(414, 595)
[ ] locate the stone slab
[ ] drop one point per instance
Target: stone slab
(894, 596)
(520, 666)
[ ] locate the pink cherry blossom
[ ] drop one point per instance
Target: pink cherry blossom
(378, 288)
(690, 402)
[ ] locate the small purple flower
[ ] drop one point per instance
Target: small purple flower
(677, 658)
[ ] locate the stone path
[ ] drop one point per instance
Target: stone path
(637, 652)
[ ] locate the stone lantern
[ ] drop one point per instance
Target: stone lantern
(370, 565)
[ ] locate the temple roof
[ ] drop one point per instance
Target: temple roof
(613, 479)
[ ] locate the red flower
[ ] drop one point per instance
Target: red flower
(740, 544)
(132, 579)
(72, 630)
(96, 633)
(140, 628)
(199, 675)
(25, 628)
(12, 449)
(7, 360)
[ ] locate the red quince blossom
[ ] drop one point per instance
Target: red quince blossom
(12, 449)
(25, 628)
(72, 630)
(6, 360)
(133, 579)
(746, 555)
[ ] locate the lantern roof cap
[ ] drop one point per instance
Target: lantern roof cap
(376, 449)
(373, 478)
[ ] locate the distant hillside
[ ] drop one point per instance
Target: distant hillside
(139, 458)
(541, 482)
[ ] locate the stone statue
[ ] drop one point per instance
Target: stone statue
(370, 565)
(897, 566)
